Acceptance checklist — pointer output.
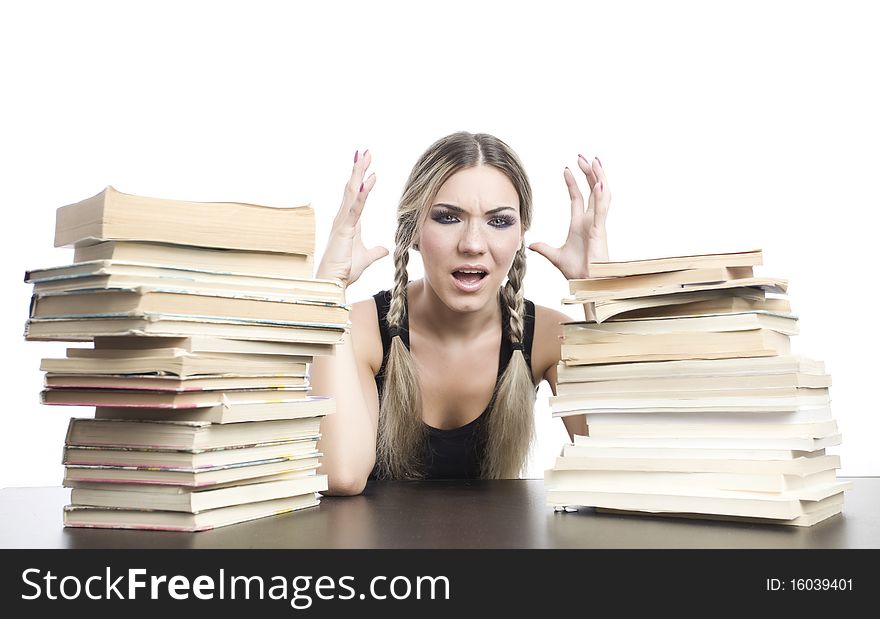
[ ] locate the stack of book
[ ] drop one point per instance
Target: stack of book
(202, 318)
(694, 404)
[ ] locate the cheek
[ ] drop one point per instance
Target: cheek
(435, 244)
(506, 247)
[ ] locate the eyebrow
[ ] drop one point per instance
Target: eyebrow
(458, 209)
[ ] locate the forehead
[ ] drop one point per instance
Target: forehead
(478, 189)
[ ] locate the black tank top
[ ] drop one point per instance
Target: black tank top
(456, 453)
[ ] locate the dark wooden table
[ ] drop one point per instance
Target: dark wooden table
(446, 514)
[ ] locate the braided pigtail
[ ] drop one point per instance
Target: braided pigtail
(511, 426)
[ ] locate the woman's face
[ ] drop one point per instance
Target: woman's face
(472, 225)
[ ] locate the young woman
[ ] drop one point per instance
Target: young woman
(418, 391)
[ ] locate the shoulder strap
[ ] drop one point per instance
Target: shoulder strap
(528, 330)
(383, 302)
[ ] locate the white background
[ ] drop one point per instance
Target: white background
(722, 127)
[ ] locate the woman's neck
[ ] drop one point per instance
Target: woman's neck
(444, 324)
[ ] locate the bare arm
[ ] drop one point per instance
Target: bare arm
(574, 424)
(586, 243)
(348, 436)
(348, 439)
(587, 240)
(548, 328)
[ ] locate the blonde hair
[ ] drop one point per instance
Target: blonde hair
(402, 436)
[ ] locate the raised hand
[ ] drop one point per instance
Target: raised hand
(587, 240)
(345, 256)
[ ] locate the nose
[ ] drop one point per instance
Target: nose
(473, 240)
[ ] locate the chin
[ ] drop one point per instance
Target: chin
(460, 301)
(465, 306)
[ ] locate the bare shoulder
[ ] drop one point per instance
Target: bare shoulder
(546, 345)
(365, 336)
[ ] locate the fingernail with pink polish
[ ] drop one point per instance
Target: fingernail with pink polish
(355, 156)
(600, 161)
(582, 157)
(366, 151)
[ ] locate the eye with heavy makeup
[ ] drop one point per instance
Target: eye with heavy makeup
(447, 214)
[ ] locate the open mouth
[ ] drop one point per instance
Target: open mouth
(469, 277)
